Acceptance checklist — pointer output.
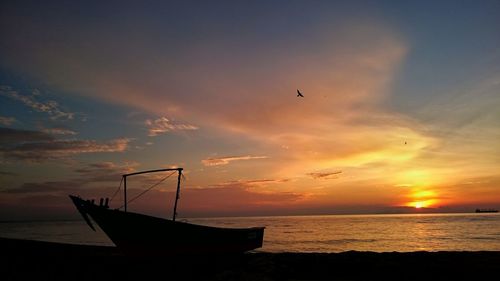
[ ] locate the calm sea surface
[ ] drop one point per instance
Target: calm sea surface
(336, 233)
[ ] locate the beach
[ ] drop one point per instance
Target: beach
(30, 260)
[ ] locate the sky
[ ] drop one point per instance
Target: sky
(400, 110)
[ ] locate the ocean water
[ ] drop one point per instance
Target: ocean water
(333, 233)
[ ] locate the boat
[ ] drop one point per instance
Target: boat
(486, 211)
(143, 234)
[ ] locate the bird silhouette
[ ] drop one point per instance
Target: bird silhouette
(299, 94)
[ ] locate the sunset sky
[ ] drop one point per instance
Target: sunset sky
(401, 105)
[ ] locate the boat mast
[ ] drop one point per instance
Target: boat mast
(177, 193)
(125, 192)
(179, 170)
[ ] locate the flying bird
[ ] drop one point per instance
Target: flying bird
(299, 94)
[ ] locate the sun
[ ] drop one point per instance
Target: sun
(419, 205)
(422, 203)
(422, 199)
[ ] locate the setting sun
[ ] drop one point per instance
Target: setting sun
(422, 204)
(419, 198)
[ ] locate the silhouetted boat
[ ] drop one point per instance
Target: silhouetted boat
(486, 211)
(138, 233)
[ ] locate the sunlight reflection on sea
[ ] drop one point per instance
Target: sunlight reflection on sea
(380, 233)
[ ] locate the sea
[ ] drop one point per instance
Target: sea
(327, 233)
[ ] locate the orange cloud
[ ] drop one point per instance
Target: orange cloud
(324, 175)
(163, 125)
(225, 160)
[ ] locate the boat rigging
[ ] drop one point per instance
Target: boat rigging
(124, 179)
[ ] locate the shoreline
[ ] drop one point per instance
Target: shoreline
(30, 260)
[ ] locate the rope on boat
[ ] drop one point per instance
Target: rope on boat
(151, 187)
(118, 190)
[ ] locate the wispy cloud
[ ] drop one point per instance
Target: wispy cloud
(15, 136)
(163, 125)
(265, 181)
(7, 121)
(39, 151)
(251, 183)
(50, 107)
(59, 131)
(39, 146)
(225, 160)
(325, 175)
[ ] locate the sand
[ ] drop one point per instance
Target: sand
(32, 260)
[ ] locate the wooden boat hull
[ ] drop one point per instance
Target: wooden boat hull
(138, 233)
